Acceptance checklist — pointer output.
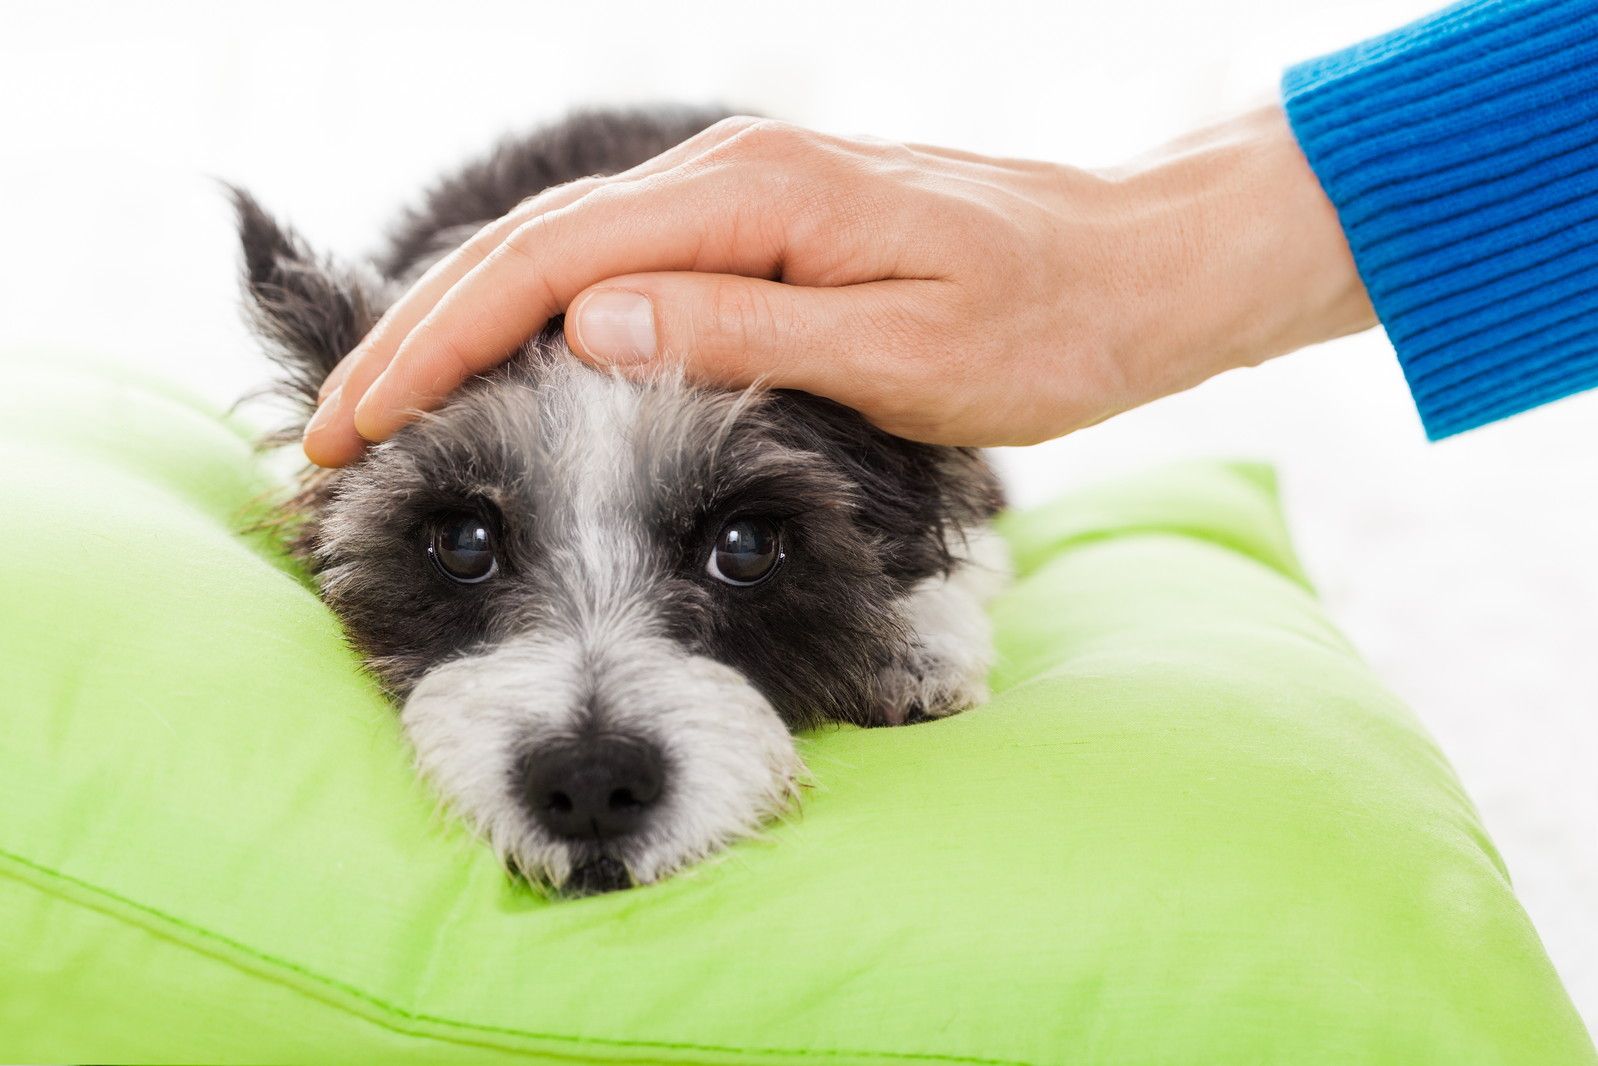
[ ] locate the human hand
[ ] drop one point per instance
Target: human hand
(949, 297)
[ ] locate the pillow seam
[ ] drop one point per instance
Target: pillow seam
(389, 1015)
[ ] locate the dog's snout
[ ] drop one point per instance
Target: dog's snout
(593, 789)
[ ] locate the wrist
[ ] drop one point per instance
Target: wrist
(1251, 260)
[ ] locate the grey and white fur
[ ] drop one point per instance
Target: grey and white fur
(604, 604)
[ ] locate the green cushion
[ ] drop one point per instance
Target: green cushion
(1191, 827)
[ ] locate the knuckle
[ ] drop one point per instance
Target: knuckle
(613, 190)
(523, 240)
(733, 125)
(741, 318)
(530, 248)
(531, 205)
(564, 192)
(770, 137)
(525, 254)
(548, 201)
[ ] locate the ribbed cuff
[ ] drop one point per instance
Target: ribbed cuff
(1461, 153)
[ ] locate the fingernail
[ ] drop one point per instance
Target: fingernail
(324, 414)
(614, 326)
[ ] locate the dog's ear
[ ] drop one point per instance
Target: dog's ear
(307, 309)
(920, 498)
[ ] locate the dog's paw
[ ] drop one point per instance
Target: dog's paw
(906, 696)
(945, 669)
(926, 689)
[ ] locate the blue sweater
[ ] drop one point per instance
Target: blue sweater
(1461, 153)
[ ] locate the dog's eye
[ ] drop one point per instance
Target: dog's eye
(747, 551)
(463, 548)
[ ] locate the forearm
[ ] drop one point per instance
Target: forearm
(1246, 257)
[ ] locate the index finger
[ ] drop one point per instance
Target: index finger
(695, 221)
(379, 346)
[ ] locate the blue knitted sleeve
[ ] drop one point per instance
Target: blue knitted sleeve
(1461, 153)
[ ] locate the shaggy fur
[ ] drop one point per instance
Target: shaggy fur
(604, 501)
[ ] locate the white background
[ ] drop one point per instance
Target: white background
(1465, 571)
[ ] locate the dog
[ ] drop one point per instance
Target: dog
(603, 605)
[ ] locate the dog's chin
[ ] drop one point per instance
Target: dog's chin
(572, 869)
(595, 875)
(583, 871)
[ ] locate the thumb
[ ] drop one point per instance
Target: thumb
(734, 331)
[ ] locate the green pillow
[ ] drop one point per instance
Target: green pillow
(1191, 827)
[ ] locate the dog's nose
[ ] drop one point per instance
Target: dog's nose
(594, 789)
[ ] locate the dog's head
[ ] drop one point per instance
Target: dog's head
(604, 604)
